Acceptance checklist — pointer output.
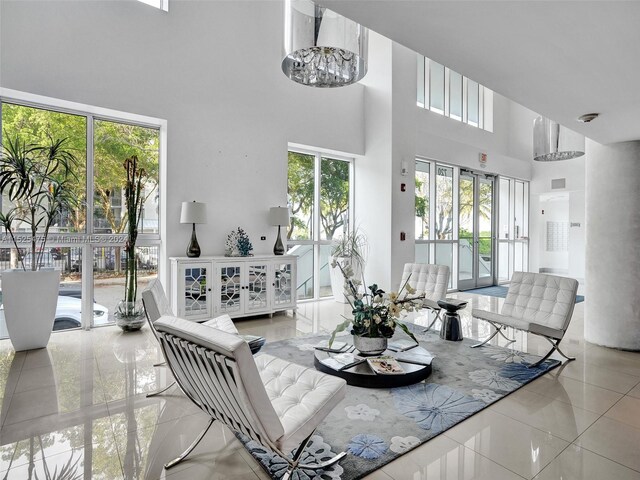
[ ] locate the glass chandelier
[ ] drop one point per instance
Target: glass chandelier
(322, 48)
(553, 142)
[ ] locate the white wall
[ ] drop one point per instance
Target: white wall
(543, 172)
(212, 70)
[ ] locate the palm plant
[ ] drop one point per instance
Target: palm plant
(37, 181)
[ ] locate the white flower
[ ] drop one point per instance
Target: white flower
(403, 444)
(367, 322)
(377, 319)
(361, 412)
(393, 296)
(410, 289)
(394, 310)
(493, 379)
(485, 395)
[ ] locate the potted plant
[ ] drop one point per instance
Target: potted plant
(348, 251)
(376, 314)
(129, 312)
(36, 180)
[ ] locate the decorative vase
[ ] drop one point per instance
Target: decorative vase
(370, 346)
(130, 316)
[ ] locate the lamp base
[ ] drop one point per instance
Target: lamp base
(193, 250)
(278, 248)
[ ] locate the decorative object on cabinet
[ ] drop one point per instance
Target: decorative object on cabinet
(193, 212)
(279, 217)
(238, 244)
(238, 286)
(129, 312)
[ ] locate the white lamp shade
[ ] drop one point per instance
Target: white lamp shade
(193, 212)
(279, 216)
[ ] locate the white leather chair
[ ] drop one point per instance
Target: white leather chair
(536, 303)
(432, 280)
(156, 304)
(274, 402)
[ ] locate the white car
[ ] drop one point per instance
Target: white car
(68, 314)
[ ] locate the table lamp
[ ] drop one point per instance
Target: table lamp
(278, 216)
(193, 212)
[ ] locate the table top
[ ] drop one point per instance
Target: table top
(361, 375)
(452, 304)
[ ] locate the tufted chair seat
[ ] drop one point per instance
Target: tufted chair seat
(536, 303)
(432, 280)
(274, 402)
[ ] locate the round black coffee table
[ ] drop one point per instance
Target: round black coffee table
(361, 375)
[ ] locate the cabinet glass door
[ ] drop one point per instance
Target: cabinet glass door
(283, 287)
(230, 281)
(256, 287)
(195, 291)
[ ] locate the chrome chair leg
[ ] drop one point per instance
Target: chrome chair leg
(498, 331)
(554, 347)
(158, 392)
(195, 443)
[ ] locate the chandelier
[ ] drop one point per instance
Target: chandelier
(322, 48)
(553, 142)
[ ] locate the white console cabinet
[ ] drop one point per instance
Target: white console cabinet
(206, 287)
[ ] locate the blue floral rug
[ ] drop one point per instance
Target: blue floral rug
(501, 292)
(375, 426)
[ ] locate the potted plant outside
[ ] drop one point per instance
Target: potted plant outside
(35, 179)
(129, 312)
(348, 251)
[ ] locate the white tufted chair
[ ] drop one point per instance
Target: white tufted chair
(156, 304)
(536, 303)
(432, 280)
(274, 402)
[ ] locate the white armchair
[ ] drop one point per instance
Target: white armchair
(536, 303)
(432, 280)
(274, 402)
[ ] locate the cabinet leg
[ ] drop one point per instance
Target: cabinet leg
(271, 315)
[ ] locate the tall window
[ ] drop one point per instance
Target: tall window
(320, 199)
(443, 91)
(86, 244)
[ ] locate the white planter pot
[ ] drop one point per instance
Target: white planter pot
(30, 300)
(337, 279)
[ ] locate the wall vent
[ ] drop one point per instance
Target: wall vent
(558, 183)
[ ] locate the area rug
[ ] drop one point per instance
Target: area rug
(501, 292)
(375, 426)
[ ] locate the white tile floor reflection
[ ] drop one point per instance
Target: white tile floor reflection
(80, 406)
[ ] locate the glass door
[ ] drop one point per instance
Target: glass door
(475, 231)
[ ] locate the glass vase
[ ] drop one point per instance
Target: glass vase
(130, 316)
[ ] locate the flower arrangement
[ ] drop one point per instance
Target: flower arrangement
(238, 244)
(376, 314)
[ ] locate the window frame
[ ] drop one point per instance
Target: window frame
(88, 240)
(316, 241)
(423, 95)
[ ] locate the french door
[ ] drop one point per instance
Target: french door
(476, 230)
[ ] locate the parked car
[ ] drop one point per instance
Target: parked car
(68, 314)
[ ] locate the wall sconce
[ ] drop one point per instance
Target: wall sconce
(193, 212)
(278, 216)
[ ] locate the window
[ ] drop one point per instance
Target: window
(448, 93)
(320, 199)
(87, 242)
(159, 4)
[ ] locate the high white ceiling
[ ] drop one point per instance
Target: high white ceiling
(559, 58)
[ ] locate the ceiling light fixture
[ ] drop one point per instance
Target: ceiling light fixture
(587, 117)
(553, 142)
(322, 48)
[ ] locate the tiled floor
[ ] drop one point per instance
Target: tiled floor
(80, 406)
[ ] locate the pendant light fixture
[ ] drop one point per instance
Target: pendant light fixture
(553, 142)
(322, 48)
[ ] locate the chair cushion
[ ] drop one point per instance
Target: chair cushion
(302, 397)
(518, 323)
(432, 280)
(156, 302)
(253, 394)
(546, 300)
(224, 323)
